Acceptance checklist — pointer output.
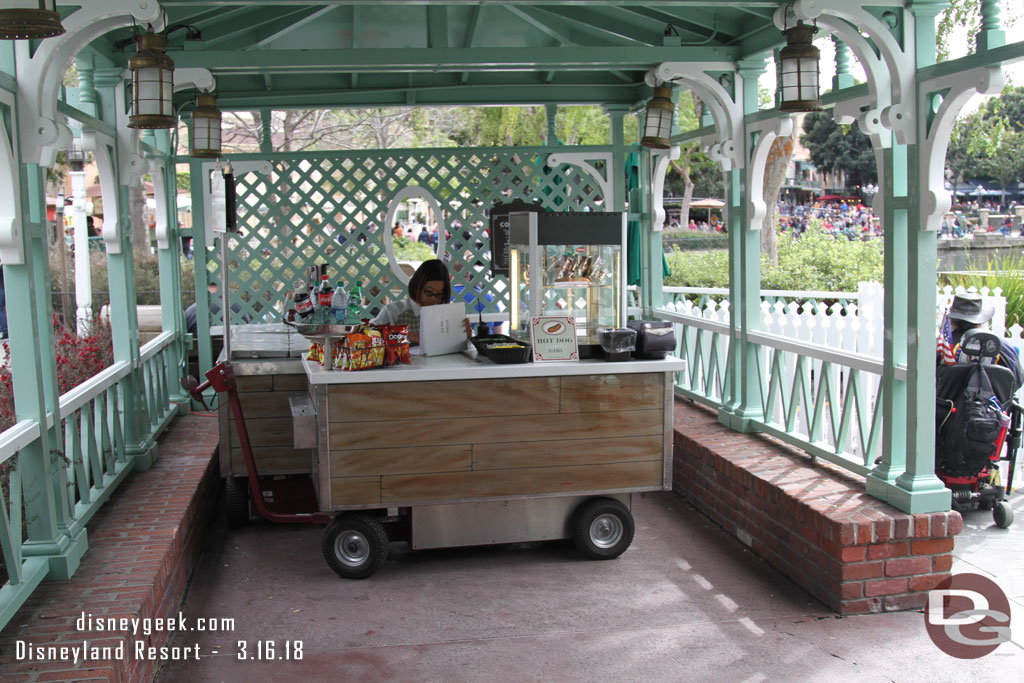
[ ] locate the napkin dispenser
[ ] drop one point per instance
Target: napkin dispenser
(655, 339)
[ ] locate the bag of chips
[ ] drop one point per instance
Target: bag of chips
(362, 349)
(396, 345)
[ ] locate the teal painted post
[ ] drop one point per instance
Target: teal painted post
(171, 309)
(744, 409)
(843, 78)
(551, 112)
(34, 377)
(906, 477)
(199, 263)
(617, 173)
(124, 326)
(991, 34)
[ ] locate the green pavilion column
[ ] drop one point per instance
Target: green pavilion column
(616, 114)
(742, 406)
(199, 264)
(906, 477)
(551, 114)
(50, 532)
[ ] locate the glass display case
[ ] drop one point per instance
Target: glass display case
(568, 264)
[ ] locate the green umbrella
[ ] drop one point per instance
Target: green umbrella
(633, 229)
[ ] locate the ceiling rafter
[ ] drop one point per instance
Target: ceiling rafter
(437, 26)
(232, 23)
(265, 32)
(598, 20)
(696, 22)
(475, 18)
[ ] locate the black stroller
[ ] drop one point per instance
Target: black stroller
(975, 416)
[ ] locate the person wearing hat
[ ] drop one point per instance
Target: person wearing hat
(968, 313)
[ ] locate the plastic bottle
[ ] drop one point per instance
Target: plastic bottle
(339, 303)
(303, 304)
(324, 293)
(355, 303)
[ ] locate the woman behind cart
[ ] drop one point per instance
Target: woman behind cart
(430, 285)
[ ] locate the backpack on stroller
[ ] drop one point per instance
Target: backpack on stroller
(975, 416)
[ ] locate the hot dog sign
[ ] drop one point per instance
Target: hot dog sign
(554, 338)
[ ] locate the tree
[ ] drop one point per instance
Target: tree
(779, 155)
(1008, 107)
(1006, 163)
(839, 148)
(969, 143)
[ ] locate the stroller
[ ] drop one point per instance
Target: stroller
(975, 416)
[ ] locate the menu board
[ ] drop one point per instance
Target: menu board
(500, 233)
(554, 338)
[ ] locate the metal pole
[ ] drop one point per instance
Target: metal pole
(224, 296)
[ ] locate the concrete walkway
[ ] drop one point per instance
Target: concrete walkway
(685, 602)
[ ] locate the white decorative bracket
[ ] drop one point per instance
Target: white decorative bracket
(889, 67)
(103, 151)
(583, 160)
(158, 170)
(769, 131)
(726, 111)
(935, 200)
(40, 74)
(240, 168)
(130, 162)
(659, 160)
(12, 248)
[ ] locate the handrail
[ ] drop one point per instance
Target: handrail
(92, 387)
(13, 439)
(788, 293)
(693, 321)
(156, 345)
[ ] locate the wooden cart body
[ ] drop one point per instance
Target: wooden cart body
(490, 453)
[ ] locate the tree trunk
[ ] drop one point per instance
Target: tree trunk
(774, 176)
(139, 226)
(684, 172)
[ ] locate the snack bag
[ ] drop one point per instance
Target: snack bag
(362, 349)
(396, 345)
(316, 352)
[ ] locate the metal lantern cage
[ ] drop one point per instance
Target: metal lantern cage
(152, 84)
(30, 19)
(798, 70)
(658, 122)
(205, 135)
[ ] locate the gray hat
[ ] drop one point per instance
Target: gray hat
(967, 307)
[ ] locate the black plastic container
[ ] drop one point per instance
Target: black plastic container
(617, 344)
(485, 347)
(655, 339)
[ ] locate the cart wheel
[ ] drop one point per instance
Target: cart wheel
(602, 528)
(355, 546)
(1002, 514)
(236, 494)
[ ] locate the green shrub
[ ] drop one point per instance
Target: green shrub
(816, 260)
(687, 241)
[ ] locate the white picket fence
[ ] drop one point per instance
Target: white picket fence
(819, 364)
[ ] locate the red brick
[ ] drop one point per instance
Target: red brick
(864, 570)
(898, 549)
(926, 582)
(906, 566)
(922, 525)
(956, 523)
(885, 587)
(870, 606)
(853, 554)
(902, 527)
(896, 603)
(932, 546)
(942, 563)
(851, 589)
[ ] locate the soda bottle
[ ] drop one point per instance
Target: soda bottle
(324, 293)
(303, 304)
(339, 303)
(355, 303)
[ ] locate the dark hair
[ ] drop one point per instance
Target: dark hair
(430, 271)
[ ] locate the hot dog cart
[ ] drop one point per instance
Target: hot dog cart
(458, 449)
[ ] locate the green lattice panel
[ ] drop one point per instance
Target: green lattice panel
(293, 219)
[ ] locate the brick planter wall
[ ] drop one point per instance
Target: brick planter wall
(811, 521)
(143, 545)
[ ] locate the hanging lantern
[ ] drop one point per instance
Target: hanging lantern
(798, 70)
(23, 19)
(152, 84)
(205, 136)
(658, 122)
(76, 156)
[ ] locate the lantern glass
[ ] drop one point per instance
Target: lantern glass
(798, 70)
(205, 137)
(25, 19)
(658, 122)
(152, 84)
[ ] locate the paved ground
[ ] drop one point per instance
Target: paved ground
(686, 602)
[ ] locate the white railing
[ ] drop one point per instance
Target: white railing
(819, 366)
(90, 458)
